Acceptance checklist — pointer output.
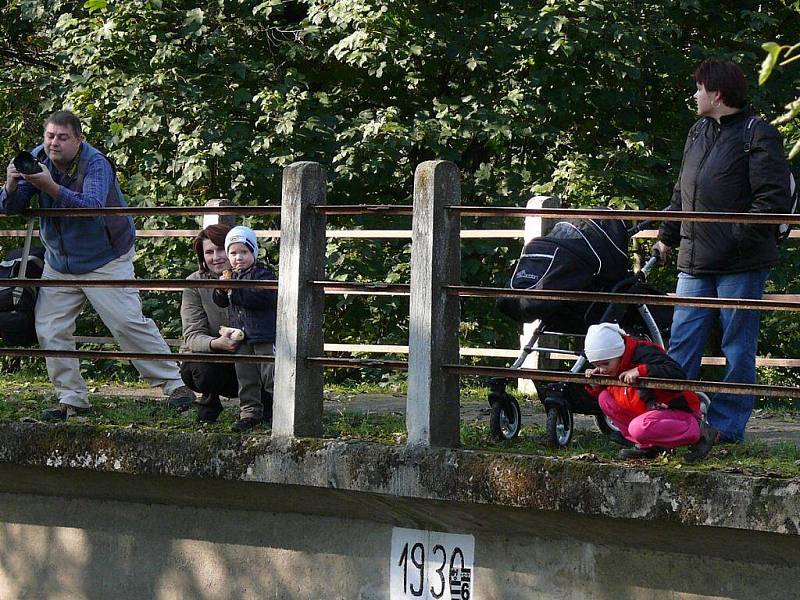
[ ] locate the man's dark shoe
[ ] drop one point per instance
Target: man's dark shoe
(181, 398)
(209, 409)
(640, 453)
(61, 412)
(708, 437)
(245, 424)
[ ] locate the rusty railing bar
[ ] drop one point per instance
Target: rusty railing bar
(404, 210)
(607, 297)
(632, 215)
(355, 363)
(366, 209)
(119, 355)
(384, 288)
(147, 211)
(368, 287)
(539, 375)
(645, 382)
(144, 284)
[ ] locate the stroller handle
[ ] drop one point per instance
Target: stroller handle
(640, 227)
(651, 262)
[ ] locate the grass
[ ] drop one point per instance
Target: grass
(143, 409)
(750, 458)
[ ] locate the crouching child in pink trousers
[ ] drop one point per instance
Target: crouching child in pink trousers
(654, 420)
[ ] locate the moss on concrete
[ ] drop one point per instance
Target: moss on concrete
(582, 485)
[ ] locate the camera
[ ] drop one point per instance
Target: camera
(26, 164)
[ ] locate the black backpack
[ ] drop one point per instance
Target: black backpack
(17, 323)
(747, 141)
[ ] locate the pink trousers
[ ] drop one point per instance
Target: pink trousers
(667, 428)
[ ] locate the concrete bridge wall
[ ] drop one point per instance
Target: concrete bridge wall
(88, 514)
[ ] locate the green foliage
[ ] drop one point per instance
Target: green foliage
(780, 56)
(198, 100)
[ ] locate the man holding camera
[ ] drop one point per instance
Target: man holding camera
(72, 174)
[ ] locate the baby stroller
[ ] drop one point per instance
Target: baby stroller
(581, 254)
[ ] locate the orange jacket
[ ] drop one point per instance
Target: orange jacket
(651, 360)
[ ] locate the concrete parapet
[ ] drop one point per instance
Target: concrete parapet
(758, 504)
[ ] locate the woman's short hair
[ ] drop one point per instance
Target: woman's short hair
(725, 77)
(216, 235)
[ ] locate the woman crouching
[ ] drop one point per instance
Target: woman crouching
(202, 320)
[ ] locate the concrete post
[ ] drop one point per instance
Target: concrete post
(536, 226)
(297, 409)
(432, 415)
(229, 220)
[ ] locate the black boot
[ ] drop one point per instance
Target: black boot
(640, 453)
(708, 437)
(209, 409)
(245, 424)
(266, 401)
(619, 439)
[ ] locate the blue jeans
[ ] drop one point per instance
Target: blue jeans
(690, 329)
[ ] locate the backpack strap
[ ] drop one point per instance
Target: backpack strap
(698, 128)
(748, 133)
(747, 143)
(16, 295)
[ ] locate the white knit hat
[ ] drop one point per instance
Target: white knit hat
(242, 235)
(604, 342)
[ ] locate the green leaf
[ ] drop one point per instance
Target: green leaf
(95, 5)
(773, 52)
(194, 17)
(795, 150)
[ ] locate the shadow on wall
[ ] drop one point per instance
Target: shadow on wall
(109, 549)
(61, 547)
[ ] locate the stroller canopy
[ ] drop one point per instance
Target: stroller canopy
(577, 255)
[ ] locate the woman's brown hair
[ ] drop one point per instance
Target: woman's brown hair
(725, 77)
(216, 235)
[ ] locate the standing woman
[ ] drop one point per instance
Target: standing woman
(732, 162)
(201, 320)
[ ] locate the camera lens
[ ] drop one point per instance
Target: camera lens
(26, 164)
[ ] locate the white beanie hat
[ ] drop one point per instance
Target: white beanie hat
(604, 342)
(242, 235)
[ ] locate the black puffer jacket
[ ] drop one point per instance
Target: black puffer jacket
(717, 175)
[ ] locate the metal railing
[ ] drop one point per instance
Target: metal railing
(434, 293)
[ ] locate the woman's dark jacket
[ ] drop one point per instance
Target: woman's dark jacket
(252, 310)
(718, 175)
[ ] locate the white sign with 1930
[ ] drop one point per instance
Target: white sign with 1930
(431, 565)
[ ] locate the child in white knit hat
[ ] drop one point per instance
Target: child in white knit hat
(252, 316)
(654, 420)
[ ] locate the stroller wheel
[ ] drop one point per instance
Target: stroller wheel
(505, 419)
(705, 404)
(559, 433)
(605, 425)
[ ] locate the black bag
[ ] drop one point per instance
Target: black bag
(17, 323)
(784, 228)
(544, 265)
(582, 254)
